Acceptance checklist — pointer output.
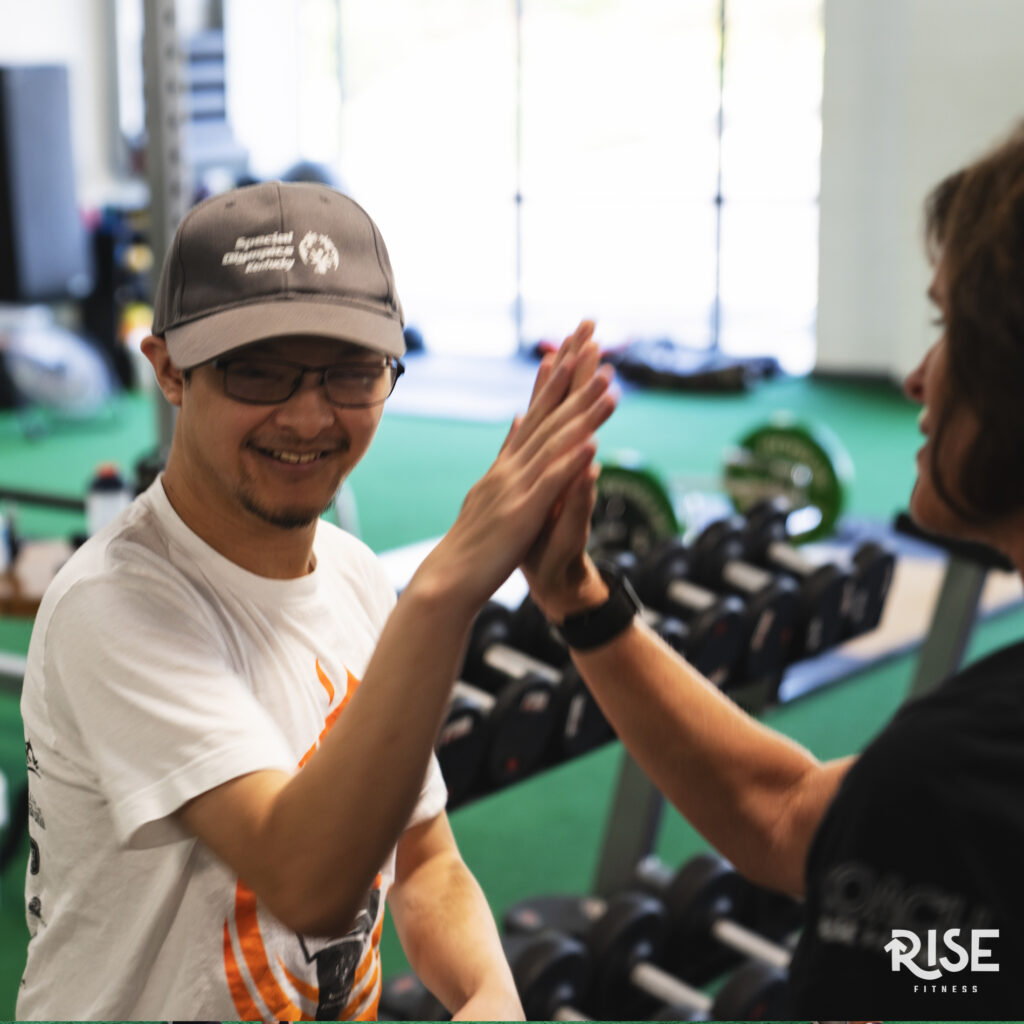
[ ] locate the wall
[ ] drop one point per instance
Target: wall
(913, 88)
(80, 34)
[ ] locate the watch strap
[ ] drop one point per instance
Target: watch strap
(597, 626)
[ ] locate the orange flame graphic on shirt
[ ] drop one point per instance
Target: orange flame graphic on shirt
(345, 988)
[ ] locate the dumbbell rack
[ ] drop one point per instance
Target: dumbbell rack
(635, 814)
(956, 608)
(634, 817)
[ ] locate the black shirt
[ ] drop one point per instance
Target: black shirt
(926, 834)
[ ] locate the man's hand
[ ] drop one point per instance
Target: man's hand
(562, 578)
(546, 451)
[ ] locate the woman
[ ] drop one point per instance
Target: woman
(907, 856)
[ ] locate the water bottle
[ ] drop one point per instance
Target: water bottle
(107, 497)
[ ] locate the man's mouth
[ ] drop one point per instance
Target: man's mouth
(292, 458)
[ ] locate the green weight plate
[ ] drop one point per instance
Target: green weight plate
(805, 463)
(633, 511)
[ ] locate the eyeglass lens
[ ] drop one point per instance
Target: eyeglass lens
(352, 384)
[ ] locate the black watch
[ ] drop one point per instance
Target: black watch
(596, 626)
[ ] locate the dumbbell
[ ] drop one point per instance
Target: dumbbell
(462, 742)
(703, 899)
(532, 632)
(873, 567)
(405, 997)
(551, 971)
(715, 625)
(514, 693)
(623, 936)
(582, 725)
(824, 589)
(767, 605)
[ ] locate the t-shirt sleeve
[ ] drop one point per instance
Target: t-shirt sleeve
(153, 701)
(433, 795)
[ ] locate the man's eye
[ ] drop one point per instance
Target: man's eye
(365, 371)
(258, 371)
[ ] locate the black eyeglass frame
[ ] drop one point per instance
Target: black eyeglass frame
(223, 363)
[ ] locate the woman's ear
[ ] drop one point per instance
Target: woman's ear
(168, 376)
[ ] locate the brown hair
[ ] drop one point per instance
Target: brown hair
(975, 228)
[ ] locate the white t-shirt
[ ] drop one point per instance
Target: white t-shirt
(157, 670)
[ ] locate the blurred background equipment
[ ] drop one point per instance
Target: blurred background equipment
(44, 245)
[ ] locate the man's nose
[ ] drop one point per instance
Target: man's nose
(309, 410)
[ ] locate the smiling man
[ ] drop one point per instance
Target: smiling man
(232, 720)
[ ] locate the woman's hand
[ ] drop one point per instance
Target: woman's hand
(545, 460)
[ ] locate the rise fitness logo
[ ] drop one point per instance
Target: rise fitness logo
(924, 961)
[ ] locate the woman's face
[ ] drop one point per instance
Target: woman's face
(931, 385)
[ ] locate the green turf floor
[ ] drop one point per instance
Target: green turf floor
(545, 833)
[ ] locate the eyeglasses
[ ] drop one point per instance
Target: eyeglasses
(353, 385)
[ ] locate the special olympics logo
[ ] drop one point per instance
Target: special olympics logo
(319, 251)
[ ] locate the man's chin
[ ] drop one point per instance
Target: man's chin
(285, 518)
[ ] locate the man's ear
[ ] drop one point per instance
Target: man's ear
(168, 376)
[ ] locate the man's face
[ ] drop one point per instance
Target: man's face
(280, 463)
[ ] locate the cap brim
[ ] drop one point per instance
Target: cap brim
(210, 336)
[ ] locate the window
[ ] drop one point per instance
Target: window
(531, 163)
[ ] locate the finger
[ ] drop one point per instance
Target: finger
(569, 351)
(547, 364)
(566, 538)
(511, 433)
(560, 472)
(583, 333)
(573, 343)
(548, 396)
(580, 408)
(586, 366)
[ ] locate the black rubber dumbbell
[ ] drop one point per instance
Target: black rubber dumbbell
(873, 566)
(715, 644)
(551, 971)
(623, 936)
(462, 743)
(772, 605)
(405, 997)
(702, 899)
(582, 725)
(516, 698)
(825, 589)
(494, 660)
(532, 632)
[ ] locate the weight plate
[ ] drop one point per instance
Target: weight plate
(805, 463)
(460, 746)
(551, 970)
(630, 931)
(521, 725)
(633, 511)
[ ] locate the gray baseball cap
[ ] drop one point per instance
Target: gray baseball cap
(273, 260)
